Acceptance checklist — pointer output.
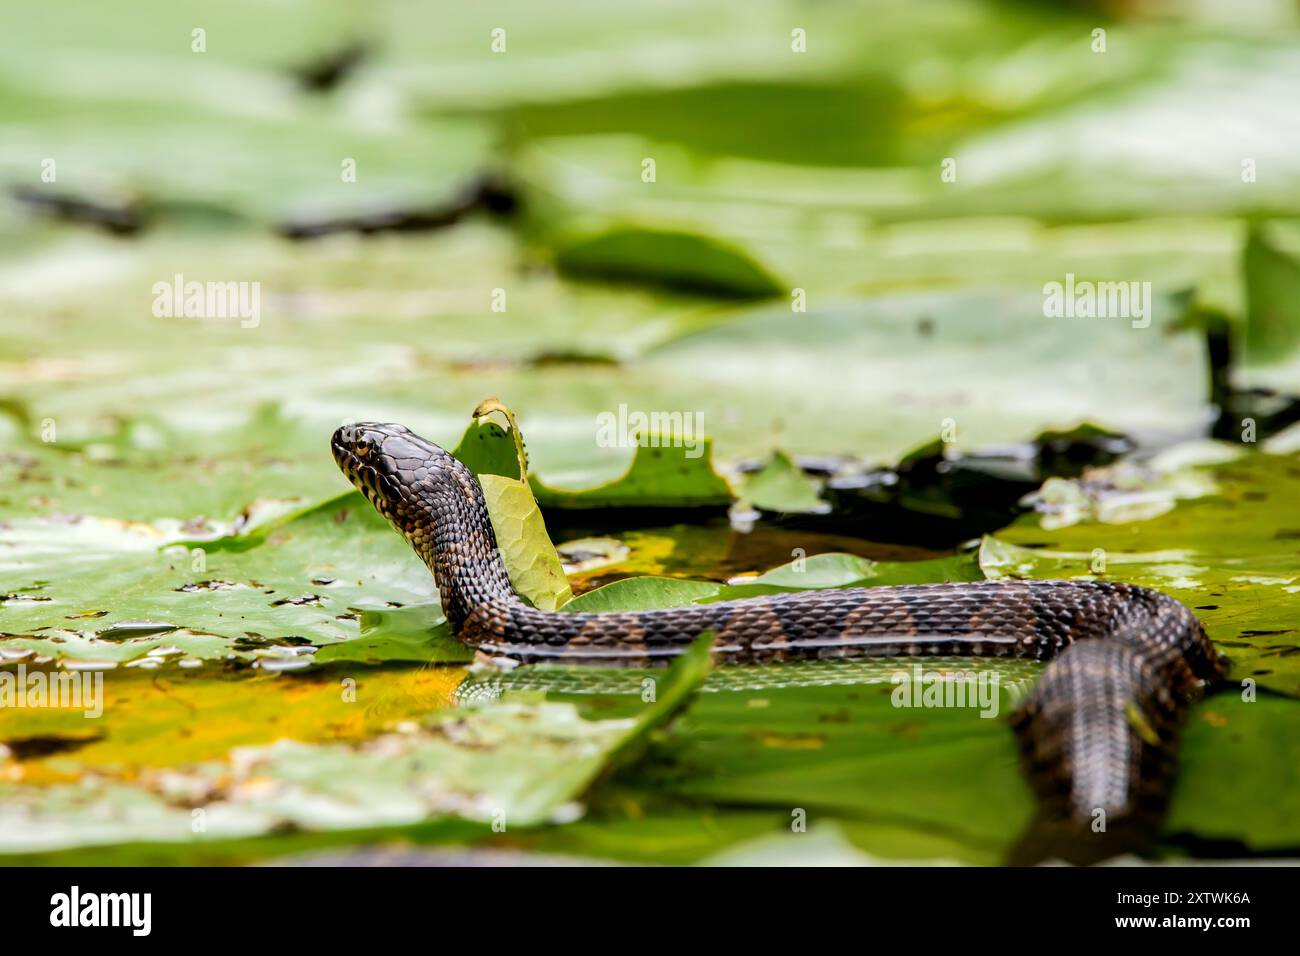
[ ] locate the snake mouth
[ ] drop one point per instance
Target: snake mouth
(359, 452)
(386, 463)
(346, 458)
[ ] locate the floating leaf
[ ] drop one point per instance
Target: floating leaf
(418, 634)
(780, 485)
(664, 476)
(309, 579)
(520, 764)
(1230, 557)
(677, 259)
(820, 571)
(643, 594)
(831, 570)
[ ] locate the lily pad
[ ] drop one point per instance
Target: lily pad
(661, 474)
(677, 259)
(643, 594)
(832, 570)
(418, 634)
(1230, 556)
(781, 486)
(496, 454)
(311, 577)
(821, 571)
(495, 765)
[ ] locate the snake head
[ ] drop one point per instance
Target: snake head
(389, 464)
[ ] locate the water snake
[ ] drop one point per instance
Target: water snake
(1098, 734)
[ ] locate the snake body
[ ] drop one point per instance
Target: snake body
(1098, 735)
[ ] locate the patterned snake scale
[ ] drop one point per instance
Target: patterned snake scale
(1098, 735)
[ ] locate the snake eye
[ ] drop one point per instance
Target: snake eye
(363, 448)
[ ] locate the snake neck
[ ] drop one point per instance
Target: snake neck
(453, 534)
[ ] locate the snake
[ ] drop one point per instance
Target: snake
(1098, 735)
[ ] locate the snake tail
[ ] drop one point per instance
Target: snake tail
(1098, 741)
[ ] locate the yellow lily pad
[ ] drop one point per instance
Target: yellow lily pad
(491, 445)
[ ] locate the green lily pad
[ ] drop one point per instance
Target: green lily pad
(780, 485)
(840, 752)
(1229, 556)
(664, 476)
(643, 594)
(832, 570)
(418, 634)
(1239, 773)
(309, 579)
(676, 259)
(821, 571)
